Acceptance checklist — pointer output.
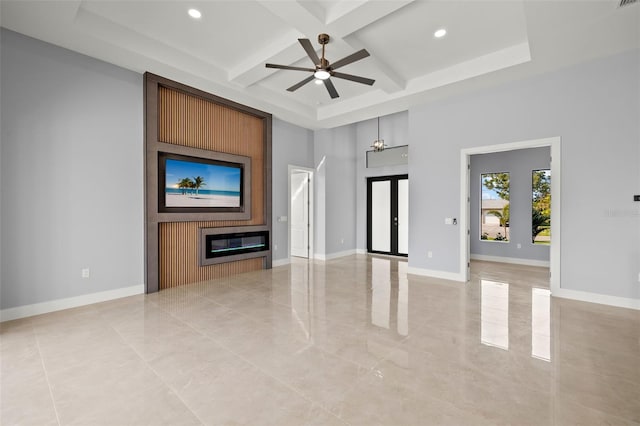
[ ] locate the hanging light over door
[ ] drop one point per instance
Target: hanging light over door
(378, 144)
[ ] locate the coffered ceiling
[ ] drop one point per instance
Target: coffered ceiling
(225, 50)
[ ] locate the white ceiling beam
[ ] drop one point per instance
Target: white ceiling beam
(302, 23)
(359, 17)
(344, 21)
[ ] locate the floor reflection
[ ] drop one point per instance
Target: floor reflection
(494, 317)
(494, 314)
(390, 295)
(403, 299)
(380, 292)
(541, 323)
(301, 296)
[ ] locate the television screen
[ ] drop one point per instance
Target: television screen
(191, 182)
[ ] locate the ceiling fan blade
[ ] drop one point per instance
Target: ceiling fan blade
(355, 78)
(287, 67)
(300, 84)
(331, 88)
(360, 54)
(311, 52)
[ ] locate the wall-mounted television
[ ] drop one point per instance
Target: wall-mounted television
(194, 184)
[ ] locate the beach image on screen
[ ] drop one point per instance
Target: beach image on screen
(194, 184)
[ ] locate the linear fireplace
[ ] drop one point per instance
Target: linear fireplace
(219, 245)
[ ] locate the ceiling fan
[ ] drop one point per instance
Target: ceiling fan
(323, 69)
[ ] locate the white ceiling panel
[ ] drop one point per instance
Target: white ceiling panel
(225, 51)
(405, 39)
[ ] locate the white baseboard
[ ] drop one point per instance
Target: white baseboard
(280, 262)
(67, 303)
(337, 255)
(361, 251)
(602, 299)
(452, 276)
(513, 260)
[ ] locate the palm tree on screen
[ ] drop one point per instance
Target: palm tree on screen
(198, 182)
(185, 184)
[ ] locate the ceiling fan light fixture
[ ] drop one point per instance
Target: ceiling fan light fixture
(322, 74)
(318, 81)
(440, 33)
(194, 13)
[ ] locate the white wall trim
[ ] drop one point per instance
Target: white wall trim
(361, 251)
(451, 276)
(513, 260)
(67, 303)
(280, 262)
(602, 299)
(389, 256)
(336, 255)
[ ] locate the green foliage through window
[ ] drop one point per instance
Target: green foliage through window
(541, 207)
(495, 207)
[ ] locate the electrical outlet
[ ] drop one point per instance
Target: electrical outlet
(519, 245)
(275, 247)
(429, 254)
(85, 273)
(341, 240)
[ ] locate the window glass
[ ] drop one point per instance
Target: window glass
(541, 207)
(494, 208)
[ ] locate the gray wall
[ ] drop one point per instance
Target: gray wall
(594, 108)
(520, 165)
(71, 173)
(394, 130)
(71, 157)
(292, 145)
(335, 156)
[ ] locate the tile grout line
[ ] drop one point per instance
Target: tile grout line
(240, 357)
(157, 375)
(46, 375)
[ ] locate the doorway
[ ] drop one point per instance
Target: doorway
(465, 154)
(388, 215)
(300, 212)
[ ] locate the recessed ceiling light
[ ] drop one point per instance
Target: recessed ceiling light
(195, 13)
(440, 33)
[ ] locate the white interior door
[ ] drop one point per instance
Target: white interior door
(300, 214)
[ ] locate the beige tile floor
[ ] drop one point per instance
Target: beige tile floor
(350, 341)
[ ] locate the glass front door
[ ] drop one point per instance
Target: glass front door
(388, 215)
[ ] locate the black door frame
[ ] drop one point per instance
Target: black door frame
(394, 212)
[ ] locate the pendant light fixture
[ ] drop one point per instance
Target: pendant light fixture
(378, 144)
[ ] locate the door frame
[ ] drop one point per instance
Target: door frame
(394, 206)
(292, 170)
(465, 183)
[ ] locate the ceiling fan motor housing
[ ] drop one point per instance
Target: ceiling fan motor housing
(323, 38)
(323, 65)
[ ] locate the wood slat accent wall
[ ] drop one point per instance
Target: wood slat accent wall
(197, 123)
(179, 256)
(194, 119)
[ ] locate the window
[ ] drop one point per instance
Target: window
(541, 207)
(494, 208)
